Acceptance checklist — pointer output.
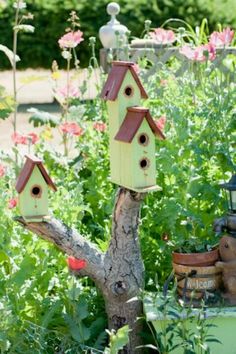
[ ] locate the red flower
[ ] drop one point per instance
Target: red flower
(19, 139)
(76, 264)
(33, 137)
(12, 203)
(2, 170)
(160, 123)
(71, 128)
(99, 126)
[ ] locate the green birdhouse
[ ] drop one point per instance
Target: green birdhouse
(132, 130)
(32, 185)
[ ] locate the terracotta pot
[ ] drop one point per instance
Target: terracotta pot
(196, 259)
(195, 281)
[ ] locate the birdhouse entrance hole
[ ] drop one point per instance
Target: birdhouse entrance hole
(36, 191)
(143, 139)
(144, 163)
(129, 91)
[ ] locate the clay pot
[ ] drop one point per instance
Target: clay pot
(196, 259)
(196, 280)
(196, 272)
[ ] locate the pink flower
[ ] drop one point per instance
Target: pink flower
(99, 126)
(200, 53)
(71, 128)
(162, 36)
(136, 68)
(2, 171)
(19, 138)
(12, 203)
(160, 123)
(222, 39)
(32, 137)
(70, 91)
(71, 39)
(76, 264)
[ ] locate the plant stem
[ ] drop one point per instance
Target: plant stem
(15, 32)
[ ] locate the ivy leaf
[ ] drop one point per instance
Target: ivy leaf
(9, 53)
(40, 118)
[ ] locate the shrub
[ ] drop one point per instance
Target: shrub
(50, 21)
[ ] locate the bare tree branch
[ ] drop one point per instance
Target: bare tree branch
(72, 243)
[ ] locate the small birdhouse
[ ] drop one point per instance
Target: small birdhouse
(32, 185)
(132, 130)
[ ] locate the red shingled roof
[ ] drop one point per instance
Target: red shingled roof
(116, 77)
(132, 122)
(31, 162)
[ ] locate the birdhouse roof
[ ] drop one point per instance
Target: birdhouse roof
(133, 121)
(116, 77)
(31, 162)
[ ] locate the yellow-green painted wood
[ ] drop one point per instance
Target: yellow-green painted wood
(116, 112)
(30, 206)
(144, 177)
(131, 175)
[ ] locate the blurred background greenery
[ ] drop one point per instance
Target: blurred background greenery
(40, 48)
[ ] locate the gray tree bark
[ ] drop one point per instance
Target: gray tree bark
(118, 273)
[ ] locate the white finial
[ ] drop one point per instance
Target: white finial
(108, 33)
(113, 9)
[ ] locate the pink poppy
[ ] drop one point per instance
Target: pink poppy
(70, 91)
(12, 203)
(18, 138)
(32, 137)
(160, 123)
(222, 39)
(76, 264)
(200, 53)
(71, 128)
(71, 39)
(162, 36)
(99, 126)
(2, 171)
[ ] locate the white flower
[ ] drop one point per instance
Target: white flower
(66, 55)
(19, 5)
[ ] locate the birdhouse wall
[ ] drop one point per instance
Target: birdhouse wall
(116, 112)
(132, 175)
(29, 204)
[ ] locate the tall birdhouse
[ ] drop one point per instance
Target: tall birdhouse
(32, 185)
(132, 130)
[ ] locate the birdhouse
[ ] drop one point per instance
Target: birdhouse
(32, 185)
(132, 130)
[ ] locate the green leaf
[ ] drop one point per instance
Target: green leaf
(119, 339)
(40, 118)
(9, 53)
(24, 28)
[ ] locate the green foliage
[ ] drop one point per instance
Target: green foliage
(6, 104)
(50, 23)
(180, 326)
(118, 340)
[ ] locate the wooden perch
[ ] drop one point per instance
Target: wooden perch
(119, 273)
